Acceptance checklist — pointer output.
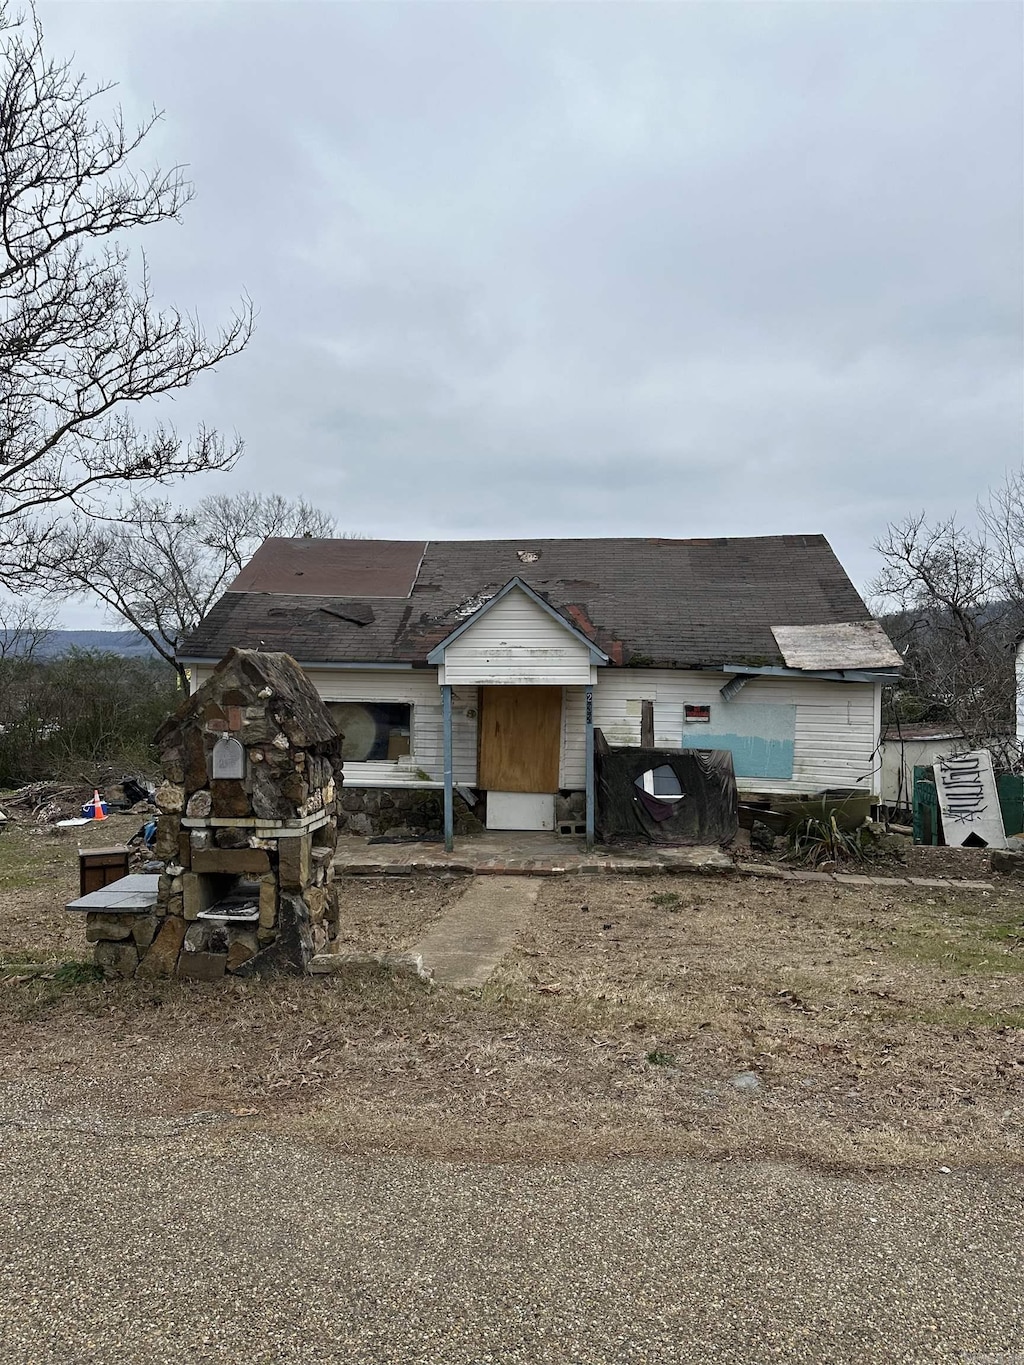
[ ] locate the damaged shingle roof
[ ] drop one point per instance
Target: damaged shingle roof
(649, 602)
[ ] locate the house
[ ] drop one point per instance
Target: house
(911, 746)
(484, 667)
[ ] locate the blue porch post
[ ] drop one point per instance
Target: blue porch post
(449, 795)
(590, 768)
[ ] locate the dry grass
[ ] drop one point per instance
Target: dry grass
(385, 913)
(887, 1029)
(38, 876)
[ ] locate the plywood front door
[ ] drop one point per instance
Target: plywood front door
(520, 732)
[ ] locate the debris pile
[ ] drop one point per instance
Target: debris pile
(49, 803)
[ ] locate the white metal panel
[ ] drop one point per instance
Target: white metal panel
(968, 799)
(516, 643)
(520, 810)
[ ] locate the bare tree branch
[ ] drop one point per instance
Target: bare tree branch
(81, 343)
(160, 567)
(954, 599)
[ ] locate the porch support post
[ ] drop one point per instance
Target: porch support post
(449, 793)
(590, 767)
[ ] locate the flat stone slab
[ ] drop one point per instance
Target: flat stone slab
(134, 895)
(326, 964)
(779, 874)
(470, 939)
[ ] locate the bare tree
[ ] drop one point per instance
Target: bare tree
(81, 343)
(161, 568)
(25, 627)
(954, 598)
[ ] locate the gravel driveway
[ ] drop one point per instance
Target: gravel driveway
(209, 1243)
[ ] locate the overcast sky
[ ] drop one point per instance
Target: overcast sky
(553, 269)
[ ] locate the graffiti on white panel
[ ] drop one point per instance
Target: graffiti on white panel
(969, 801)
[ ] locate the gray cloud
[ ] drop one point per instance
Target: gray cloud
(682, 270)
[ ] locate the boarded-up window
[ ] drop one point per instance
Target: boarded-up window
(760, 737)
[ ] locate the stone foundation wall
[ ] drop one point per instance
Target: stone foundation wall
(412, 810)
(403, 810)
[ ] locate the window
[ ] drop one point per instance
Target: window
(373, 730)
(660, 782)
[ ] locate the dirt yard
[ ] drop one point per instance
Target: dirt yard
(873, 1027)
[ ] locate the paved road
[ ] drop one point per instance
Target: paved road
(210, 1245)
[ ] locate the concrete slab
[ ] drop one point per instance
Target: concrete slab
(520, 854)
(134, 895)
(474, 934)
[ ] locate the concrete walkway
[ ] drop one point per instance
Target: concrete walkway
(471, 938)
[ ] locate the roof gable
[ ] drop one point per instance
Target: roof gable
(436, 655)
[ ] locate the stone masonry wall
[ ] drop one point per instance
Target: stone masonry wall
(261, 830)
(403, 811)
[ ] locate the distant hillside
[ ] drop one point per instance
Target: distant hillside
(125, 642)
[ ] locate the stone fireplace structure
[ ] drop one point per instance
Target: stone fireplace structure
(248, 826)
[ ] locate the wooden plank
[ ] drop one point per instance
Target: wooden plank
(520, 733)
(647, 725)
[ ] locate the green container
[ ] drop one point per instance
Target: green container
(850, 805)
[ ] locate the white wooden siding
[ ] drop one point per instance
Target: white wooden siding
(516, 643)
(419, 689)
(836, 728)
(836, 734)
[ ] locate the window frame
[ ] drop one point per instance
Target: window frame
(330, 702)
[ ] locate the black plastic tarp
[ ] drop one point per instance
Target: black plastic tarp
(705, 813)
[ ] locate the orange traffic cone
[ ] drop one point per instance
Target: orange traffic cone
(98, 813)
